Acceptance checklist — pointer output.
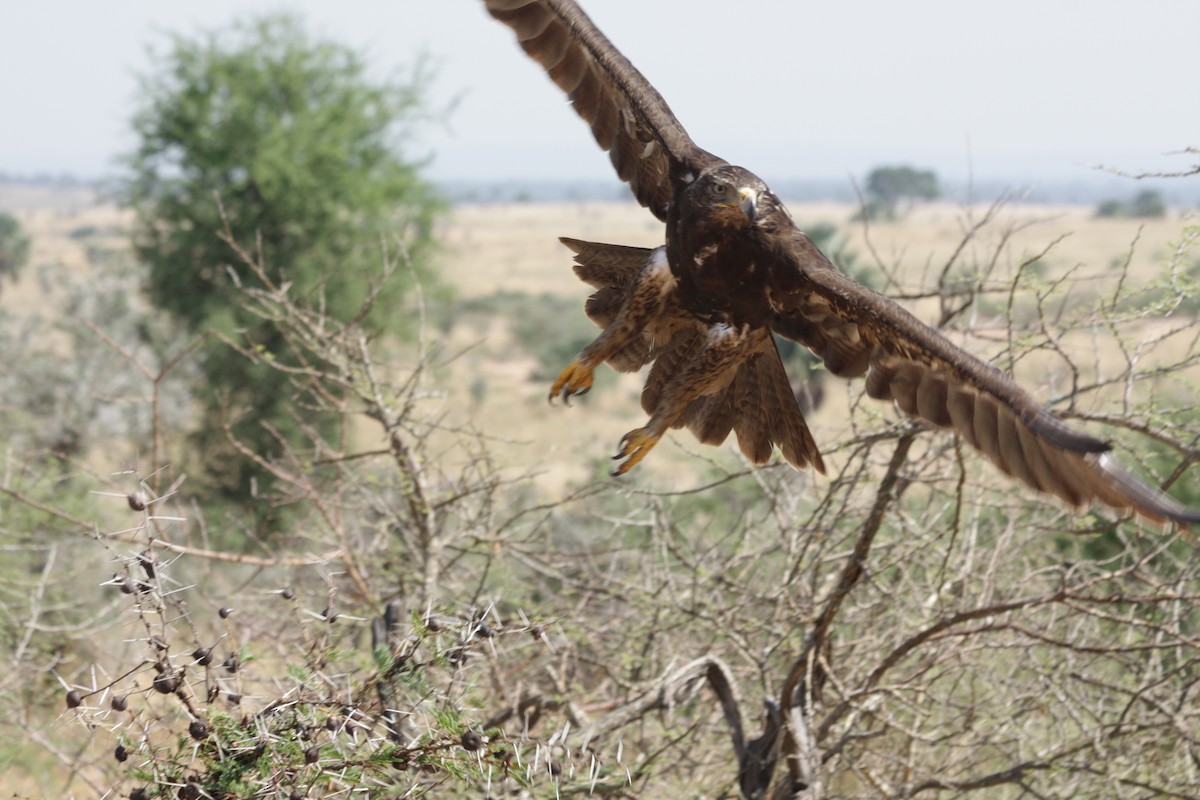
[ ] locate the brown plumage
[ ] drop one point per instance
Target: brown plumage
(753, 399)
(701, 310)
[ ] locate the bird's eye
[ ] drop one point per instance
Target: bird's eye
(718, 189)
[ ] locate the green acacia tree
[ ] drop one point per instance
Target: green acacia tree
(888, 186)
(288, 138)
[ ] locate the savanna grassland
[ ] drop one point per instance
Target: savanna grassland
(551, 631)
(506, 258)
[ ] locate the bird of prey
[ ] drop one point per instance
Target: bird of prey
(702, 308)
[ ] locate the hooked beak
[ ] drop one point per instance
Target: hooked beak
(748, 202)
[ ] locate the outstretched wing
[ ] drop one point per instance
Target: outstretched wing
(856, 331)
(649, 148)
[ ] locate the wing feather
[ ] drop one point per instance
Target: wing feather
(932, 394)
(602, 265)
(669, 360)
(785, 421)
(711, 418)
(930, 378)
(754, 438)
(612, 269)
(629, 119)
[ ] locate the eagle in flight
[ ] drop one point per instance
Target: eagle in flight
(702, 308)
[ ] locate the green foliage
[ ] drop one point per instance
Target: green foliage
(1147, 204)
(888, 186)
(14, 246)
(1175, 290)
(284, 138)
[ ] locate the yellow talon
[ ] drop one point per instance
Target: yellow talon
(634, 447)
(573, 381)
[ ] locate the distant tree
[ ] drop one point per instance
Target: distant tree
(1111, 208)
(888, 186)
(14, 246)
(1146, 204)
(302, 151)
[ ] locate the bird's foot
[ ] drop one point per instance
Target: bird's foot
(573, 381)
(634, 447)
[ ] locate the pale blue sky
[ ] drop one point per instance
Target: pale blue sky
(1024, 89)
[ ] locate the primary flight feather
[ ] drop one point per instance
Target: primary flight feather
(702, 308)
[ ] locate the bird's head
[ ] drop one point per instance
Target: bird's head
(732, 197)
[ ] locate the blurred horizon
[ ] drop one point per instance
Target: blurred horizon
(1175, 192)
(797, 92)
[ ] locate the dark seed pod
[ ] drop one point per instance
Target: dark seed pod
(136, 500)
(138, 794)
(120, 702)
(146, 559)
(231, 664)
(198, 730)
(190, 791)
(225, 611)
(312, 755)
(287, 593)
(471, 741)
(330, 615)
(233, 699)
(484, 630)
(214, 692)
(74, 698)
(331, 724)
(432, 625)
(125, 585)
(203, 656)
(121, 754)
(166, 682)
(258, 750)
(537, 632)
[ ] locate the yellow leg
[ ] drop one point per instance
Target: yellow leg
(634, 447)
(573, 381)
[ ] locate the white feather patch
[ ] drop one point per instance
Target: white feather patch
(720, 330)
(658, 270)
(706, 252)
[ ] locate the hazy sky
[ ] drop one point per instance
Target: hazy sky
(790, 88)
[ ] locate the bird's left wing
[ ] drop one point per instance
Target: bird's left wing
(629, 118)
(857, 331)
